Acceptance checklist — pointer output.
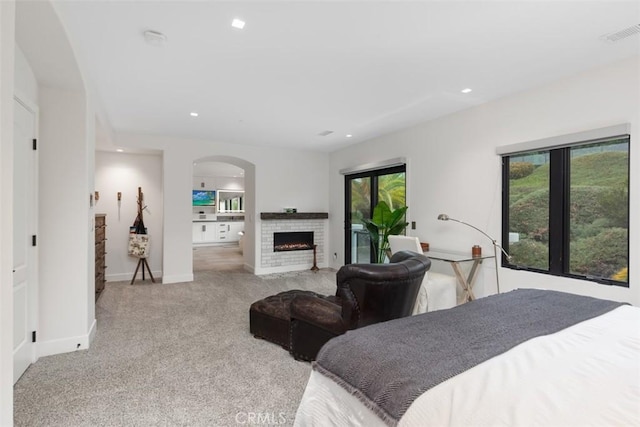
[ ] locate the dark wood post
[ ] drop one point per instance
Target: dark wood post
(315, 265)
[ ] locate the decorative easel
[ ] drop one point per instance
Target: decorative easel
(315, 264)
(140, 229)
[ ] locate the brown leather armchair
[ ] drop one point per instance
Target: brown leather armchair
(366, 294)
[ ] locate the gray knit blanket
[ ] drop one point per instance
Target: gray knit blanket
(388, 365)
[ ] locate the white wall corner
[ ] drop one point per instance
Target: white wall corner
(92, 331)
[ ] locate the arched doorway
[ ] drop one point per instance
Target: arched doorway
(222, 206)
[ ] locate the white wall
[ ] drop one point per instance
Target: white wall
(66, 310)
(122, 172)
(89, 147)
(217, 182)
(66, 317)
(26, 85)
(452, 167)
(277, 178)
(65, 225)
(7, 23)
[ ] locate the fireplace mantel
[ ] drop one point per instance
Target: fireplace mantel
(296, 215)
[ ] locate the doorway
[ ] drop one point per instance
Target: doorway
(363, 191)
(218, 204)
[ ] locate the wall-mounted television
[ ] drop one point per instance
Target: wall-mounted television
(203, 198)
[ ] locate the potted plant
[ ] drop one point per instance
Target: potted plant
(383, 224)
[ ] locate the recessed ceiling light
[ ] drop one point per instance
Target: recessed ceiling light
(237, 23)
(193, 114)
(119, 150)
(348, 135)
(467, 90)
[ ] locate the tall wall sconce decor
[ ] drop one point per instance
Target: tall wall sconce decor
(119, 203)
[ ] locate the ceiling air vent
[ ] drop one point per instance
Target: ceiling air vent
(325, 133)
(622, 34)
(155, 38)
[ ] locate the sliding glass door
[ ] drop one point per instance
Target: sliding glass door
(362, 192)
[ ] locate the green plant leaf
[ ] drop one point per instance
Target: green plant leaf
(384, 222)
(397, 216)
(381, 214)
(398, 228)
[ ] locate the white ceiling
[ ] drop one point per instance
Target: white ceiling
(300, 68)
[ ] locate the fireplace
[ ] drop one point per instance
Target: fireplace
(278, 261)
(293, 241)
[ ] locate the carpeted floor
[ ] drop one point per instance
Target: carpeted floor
(172, 355)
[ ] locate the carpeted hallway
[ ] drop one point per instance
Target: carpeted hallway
(172, 355)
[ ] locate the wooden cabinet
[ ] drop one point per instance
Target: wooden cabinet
(100, 252)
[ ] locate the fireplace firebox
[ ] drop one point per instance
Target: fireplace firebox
(293, 241)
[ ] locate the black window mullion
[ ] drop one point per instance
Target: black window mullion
(374, 202)
(558, 210)
(347, 220)
(505, 208)
(566, 226)
(374, 191)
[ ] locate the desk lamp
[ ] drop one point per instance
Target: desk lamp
(445, 217)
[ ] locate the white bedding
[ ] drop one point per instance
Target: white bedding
(585, 375)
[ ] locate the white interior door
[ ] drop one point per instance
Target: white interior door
(24, 228)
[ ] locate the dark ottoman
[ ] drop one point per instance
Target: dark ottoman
(269, 318)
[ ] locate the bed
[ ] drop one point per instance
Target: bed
(522, 358)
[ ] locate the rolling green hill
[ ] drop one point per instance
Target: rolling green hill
(585, 170)
(598, 211)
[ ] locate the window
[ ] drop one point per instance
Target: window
(362, 192)
(566, 210)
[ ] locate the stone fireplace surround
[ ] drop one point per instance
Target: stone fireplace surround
(273, 222)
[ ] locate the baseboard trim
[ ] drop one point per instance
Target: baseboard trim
(177, 278)
(126, 277)
(65, 345)
(285, 269)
